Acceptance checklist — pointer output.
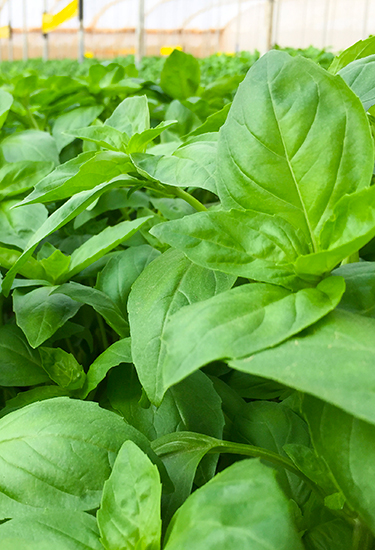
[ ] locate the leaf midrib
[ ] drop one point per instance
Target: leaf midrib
(312, 237)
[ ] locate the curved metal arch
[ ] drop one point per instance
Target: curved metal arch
(101, 12)
(256, 2)
(212, 6)
(3, 4)
(56, 3)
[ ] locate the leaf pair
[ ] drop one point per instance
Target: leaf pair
(294, 171)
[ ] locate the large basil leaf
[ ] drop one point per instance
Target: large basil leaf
(57, 454)
(129, 514)
(153, 299)
(60, 530)
(250, 244)
(240, 322)
(347, 445)
(242, 507)
(332, 360)
(287, 151)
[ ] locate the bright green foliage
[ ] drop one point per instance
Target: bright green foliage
(129, 513)
(242, 507)
(187, 280)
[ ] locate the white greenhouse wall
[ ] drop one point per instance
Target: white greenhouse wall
(201, 27)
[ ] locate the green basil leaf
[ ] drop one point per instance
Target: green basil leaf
(30, 145)
(122, 523)
(240, 322)
(248, 244)
(181, 75)
(18, 225)
(62, 368)
(153, 299)
(320, 362)
(359, 50)
(99, 245)
(122, 270)
(241, 507)
(275, 153)
(19, 177)
(60, 530)
(359, 76)
(99, 301)
(131, 116)
(6, 101)
(20, 364)
(39, 312)
(104, 136)
(119, 352)
(73, 119)
(35, 439)
(347, 445)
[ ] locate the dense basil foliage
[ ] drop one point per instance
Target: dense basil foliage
(187, 305)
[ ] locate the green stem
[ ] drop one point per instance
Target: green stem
(31, 118)
(102, 331)
(189, 199)
(70, 347)
(353, 258)
(1, 310)
(362, 538)
(274, 458)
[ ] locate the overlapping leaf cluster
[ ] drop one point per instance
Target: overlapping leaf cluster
(187, 309)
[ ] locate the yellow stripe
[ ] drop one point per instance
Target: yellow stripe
(5, 32)
(51, 22)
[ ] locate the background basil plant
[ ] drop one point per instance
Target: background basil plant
(187, 312)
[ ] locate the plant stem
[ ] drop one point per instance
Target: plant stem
(362, 538)
(189, 199)
(31, 118)
(102, 331)
(274, 458)
(1, 310)
(353, 258)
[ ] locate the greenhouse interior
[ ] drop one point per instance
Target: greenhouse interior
(187, 274)
(115, 28)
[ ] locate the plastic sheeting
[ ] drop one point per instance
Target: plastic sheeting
(224, 25)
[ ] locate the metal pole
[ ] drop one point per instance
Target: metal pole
(45, 35)
(218, 23)
(10, 40)
(25, 42)
(276, 22)
(238, 25)
(81, 33)
(365, 20)
(271, 9)
(326, 23)
(140, 32)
